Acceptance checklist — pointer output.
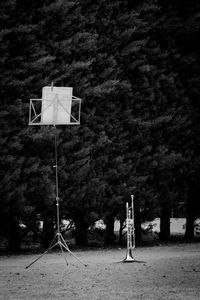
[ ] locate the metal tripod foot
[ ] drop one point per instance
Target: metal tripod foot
(62, 244)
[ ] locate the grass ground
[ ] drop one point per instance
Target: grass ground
(162, 272)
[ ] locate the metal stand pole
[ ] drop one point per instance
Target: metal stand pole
(58, 239)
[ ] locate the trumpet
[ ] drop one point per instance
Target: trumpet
(130, 228)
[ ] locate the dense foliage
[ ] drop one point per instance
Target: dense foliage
(136, 66)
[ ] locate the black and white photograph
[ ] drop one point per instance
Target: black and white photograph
(99, 159)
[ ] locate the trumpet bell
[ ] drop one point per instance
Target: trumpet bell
(129, 256)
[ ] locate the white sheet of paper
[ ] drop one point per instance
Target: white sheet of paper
(56, 105)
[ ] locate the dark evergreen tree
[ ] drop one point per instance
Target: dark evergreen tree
(180, 24)
(136, 67)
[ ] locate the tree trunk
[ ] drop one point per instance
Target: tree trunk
(121, 231)
(165, 223)
(14, 236)
(109, 232)
(48, 231)
(138, 229)
(190, 218)
(81, 232)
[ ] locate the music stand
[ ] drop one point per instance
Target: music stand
(56, 107)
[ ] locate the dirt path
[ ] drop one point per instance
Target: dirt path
(163, 272)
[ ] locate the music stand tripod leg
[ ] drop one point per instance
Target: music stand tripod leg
(61, 247)
(67, 248)
(50, 247)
